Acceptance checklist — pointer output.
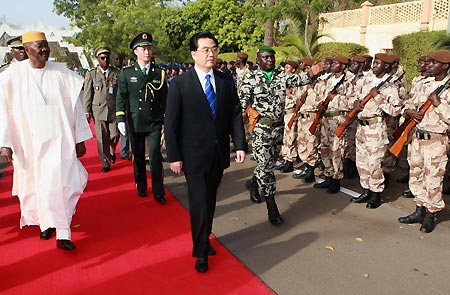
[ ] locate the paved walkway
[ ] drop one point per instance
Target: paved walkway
(328, 245)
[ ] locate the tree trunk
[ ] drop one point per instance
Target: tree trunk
(269, 33)
(307, 45)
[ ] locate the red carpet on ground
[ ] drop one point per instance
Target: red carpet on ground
(125, 245)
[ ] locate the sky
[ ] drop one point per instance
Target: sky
(25, 13)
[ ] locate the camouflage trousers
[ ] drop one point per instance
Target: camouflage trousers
(371, 145)
(332, 147)
(390, 161)
(266, 148)
(289, 148)
(350, 148)
(307, 143)
(427, 160)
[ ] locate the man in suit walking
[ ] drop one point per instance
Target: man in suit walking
(202, 112)
(141, 100)
(99, 99)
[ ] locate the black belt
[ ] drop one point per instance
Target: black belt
(307, 115)
(370, 121)
(426, 135)
(335, 114)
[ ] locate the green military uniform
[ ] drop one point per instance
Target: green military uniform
(99, 100)
(141, 101)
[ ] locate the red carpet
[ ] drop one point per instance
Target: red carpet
(125, 245)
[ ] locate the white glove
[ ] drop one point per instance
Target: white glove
(122, 128)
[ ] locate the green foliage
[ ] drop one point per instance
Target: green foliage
(410, 46)
(333, 48)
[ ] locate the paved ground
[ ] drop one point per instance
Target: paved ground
(329, 245)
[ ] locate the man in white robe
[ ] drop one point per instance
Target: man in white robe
(44, 133)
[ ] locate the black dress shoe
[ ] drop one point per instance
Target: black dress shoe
(105, 169)
(363, 198)
(66, 245)
(407, 194)
(159, 198)
(211, 251)
(142, 194)
(47, 234)
(201, 265)
(113, 158)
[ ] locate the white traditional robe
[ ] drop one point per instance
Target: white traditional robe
(42, 120)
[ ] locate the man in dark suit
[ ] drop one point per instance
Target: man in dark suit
(202, 112)
(141, 99)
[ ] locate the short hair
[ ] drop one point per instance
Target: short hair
(193, 42)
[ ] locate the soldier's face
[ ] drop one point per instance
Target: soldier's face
(266, 60)
(144, 53)
(206, 54)
(103, 60)
(327, 66)
(290, 69)
(117, 60)
(436, 68)
(19, 53)
(354, 67)
(367, 64)
(379, 68)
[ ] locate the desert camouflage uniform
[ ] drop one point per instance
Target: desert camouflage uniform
(392, 122)
(332, 147)
(371, 134)
(289, 148)
(350, 148)
(428, 157)
(268, 99)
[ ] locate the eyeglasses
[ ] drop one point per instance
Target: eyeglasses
(104, 57)
(206, 50)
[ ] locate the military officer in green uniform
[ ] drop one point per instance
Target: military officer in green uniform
(141, 100)
(17, 51)
(99, 100)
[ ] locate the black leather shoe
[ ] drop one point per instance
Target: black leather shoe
(66, 245)
(113, 158)
(416, 217)
(429, 222)
(407, 194)
(142, 194)
(252, 186)
(141, 189)
(334, 187)
(363, 198)
(201, 265)
(47, 234)
(288, 167)
(105, 169)
(211, 251)
(374, 201)
(159, 198)
(324, 184)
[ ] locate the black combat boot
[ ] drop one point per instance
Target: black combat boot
(407, 194)
(429, 222)
(416, 217)
(352, 171)
(272, 211)
(362, 198)
(309, 175)
(374, 200)
(324, 184)
(288, 167)
(252, 186)
(280, 166)
(335, 186)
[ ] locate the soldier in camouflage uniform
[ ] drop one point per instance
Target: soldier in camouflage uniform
(371, 134)
(332, 147)
(307, 143)
(427, 151)
(289, 148)
(265, 91)
(241, 71)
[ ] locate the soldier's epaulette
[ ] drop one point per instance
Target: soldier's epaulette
(5, 64)
(158, 67)
(127, 67)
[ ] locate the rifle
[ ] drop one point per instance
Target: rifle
(341, 128)
(298, 105)
(397, 147)
(325, 103)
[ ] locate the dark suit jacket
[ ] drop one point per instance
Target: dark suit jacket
(191, 132)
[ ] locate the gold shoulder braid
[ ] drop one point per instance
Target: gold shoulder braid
(151, 87)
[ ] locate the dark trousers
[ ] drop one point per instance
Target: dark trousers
(202, 204)
(137, 140)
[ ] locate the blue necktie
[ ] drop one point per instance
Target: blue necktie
(210, 95)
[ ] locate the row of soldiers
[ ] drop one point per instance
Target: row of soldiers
(305, 115)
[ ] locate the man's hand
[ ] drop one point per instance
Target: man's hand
(357, 105)
(316, 68)
(122, 128)
(176, 167)
(416, 116)
(240, 156)
(435, 99)
(374, 92)
(80, 149)
(6, 155)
